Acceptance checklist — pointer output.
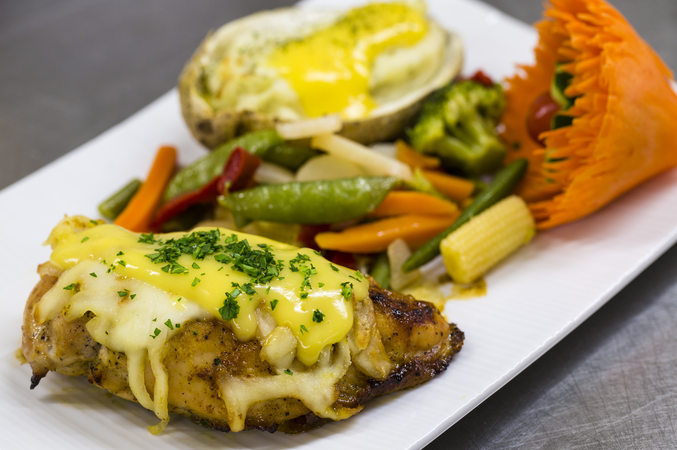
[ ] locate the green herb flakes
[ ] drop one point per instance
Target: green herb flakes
(318, 316)
(347, 290)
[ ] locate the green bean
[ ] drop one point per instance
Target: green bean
(289, 156)
(380, 271)
(200, 172)
(310, 202)
(113, 205)
(500, 187)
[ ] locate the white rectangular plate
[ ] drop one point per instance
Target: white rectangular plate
(533, 300)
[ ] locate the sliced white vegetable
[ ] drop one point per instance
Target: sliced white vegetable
(326, 167)
(398, 252)
(307, 128)
(268, 173)
(375, 163)
(387, 149)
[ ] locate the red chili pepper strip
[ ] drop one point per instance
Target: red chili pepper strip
(482, 78)
(341, 258)
(237, 174)
(238, 171)
(177, 205)
(307, 233)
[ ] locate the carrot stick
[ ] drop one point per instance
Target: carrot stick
(139, 212)
(373, 237)
(414, 159)
(412, 202)
(456, 188)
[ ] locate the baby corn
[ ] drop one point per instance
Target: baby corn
(486, 239)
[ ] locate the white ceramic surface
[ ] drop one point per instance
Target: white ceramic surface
(534, 299)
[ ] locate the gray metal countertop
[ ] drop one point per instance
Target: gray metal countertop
(71, 69)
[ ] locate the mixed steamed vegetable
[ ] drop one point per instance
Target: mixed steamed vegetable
(363, 207)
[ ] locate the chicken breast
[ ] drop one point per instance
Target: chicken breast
(208, 374)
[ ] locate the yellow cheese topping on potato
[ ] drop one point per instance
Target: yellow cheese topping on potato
(330, 69)
(229, 275)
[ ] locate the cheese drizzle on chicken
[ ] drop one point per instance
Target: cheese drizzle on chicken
(194, 364)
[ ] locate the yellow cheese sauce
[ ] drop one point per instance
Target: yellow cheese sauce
(229, 275)
(330, 69)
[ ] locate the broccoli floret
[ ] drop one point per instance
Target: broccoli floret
(457, 124)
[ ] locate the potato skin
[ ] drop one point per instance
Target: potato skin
(213, 127)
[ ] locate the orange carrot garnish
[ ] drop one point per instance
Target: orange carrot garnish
(456, 188)
(139, 212)
(412, 202)
(374, 237)
(623, 129)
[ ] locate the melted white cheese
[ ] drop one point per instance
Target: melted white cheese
(131, 317)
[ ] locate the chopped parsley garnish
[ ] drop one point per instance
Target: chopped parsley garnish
(230, 308)
(196, 280)
(122, 263)
(84, 239)
(355, 278)
(273, 304)
(303, 329)
(124, 293)
(168, 324)
(301, 263)
(303, 295)
(217, 361)
(120, 253)
(156, 333)
(320, 284)
(333, 267)
(318, 316)
(70, 287)
(299, 259)
(259, 263)
(248, 288)
(174, 268)
(92, 274)
(347, 290)
(288, 372)
(147, 238)
(93, 222)
(195, 266)
(132, 296)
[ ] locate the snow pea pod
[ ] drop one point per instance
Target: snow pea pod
(289, 156)
(310, 202)
(200, 172)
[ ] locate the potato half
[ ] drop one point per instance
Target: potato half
(212, 123)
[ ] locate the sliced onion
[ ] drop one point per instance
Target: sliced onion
(375, 163)
(398, 252)
(327, 167)
(307, 128)
(268, 173)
